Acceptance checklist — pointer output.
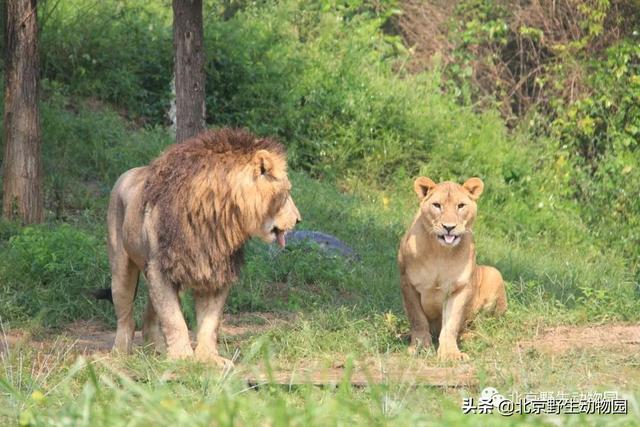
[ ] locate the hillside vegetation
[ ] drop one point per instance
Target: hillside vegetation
(366, 95)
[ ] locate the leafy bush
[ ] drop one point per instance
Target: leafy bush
(518, 57)
(48, 273)
(120, 52)
(600, 140)
(300, 277)
(327, 85)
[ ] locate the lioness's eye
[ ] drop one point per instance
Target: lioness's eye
(437, 205)
(461, 205)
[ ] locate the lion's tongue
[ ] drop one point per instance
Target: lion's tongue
(280, 238)
(449, 238)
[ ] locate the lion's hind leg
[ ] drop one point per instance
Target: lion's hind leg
(418, 322)
(491, 296)
(151, 332)
(124, 279)
(165, 300)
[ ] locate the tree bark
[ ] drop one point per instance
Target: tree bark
(22, 184)
(189, 68)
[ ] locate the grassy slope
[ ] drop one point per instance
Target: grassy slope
(344, 317)
(345, 311)
(557, 271)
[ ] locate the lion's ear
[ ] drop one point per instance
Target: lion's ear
(263, 162)
(423, 186)
(474, 186)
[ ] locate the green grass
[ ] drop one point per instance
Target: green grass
(144, 390)
(336, 310)
(329, 83)
(342, 311)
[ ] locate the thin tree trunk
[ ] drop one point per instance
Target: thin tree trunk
(22, 184)
(189, 68)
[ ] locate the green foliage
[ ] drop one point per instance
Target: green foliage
(45, 255)
(301, 277)
(96, 144)
(325, 78)
(48, 273)
(327, 85)
(559, 216)
(116, 51)
(600, 135)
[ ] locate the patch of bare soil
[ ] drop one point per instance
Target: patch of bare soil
(89, 336)
(562, 339)
(95, 339)
(389, 369)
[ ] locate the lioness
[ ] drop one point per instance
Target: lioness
(442, 288)
(183, 221)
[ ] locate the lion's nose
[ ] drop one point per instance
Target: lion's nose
(298, 220)
(448, 227)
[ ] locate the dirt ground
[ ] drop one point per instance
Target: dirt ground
(89, 337)
(563, 339)
(95, 338)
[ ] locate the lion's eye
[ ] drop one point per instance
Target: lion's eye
(437, 205)
(461, 205)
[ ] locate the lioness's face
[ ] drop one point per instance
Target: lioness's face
(278, 213)
(448, 209)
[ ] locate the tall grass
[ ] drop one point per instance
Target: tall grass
(144, 391)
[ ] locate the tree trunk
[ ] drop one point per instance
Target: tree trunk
(22, 183)
(189, 68)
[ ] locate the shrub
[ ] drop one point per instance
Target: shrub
(120, 52)
(48, 272)
(600, 140)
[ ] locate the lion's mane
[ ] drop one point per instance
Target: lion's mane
(201, 226)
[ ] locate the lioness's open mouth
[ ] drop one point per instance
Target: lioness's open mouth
(449, 239)
(279, 235)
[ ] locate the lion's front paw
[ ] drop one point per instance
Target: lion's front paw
(413, 350)
(452, 354)
(179, 352)
(419, 344)
(213, 358)
(221, 362)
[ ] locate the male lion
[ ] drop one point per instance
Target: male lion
(183, 221)
(442, 288)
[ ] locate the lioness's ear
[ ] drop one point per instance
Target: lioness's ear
(263, 162)
(474, 186)
(422, 186)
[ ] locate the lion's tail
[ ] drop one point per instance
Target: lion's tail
(105, 293)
